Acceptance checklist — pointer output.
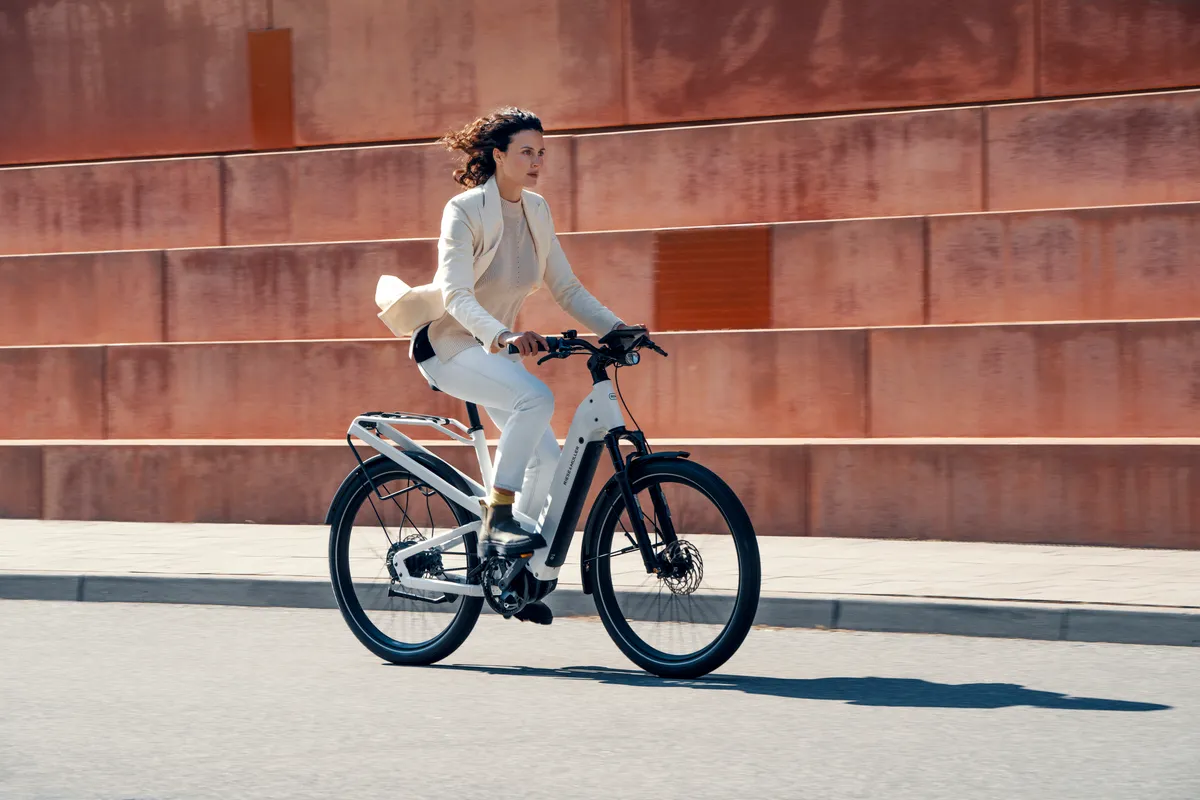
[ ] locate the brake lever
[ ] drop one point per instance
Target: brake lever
(656, 348)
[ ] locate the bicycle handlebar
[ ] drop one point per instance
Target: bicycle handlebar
(619, 343)
(553, 341)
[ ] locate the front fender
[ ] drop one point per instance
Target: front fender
(591, 533)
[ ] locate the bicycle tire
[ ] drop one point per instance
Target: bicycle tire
(704, 661)
(382, 469)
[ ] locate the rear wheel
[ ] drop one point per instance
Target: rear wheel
(367, 532)
(690, 617)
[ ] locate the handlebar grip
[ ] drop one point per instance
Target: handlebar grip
(550, 340)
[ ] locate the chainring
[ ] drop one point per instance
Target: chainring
(506, 601)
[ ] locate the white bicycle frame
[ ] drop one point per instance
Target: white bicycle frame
(597, 415)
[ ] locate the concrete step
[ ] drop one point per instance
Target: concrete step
(334, 72)
(1060, 379)
(1105, 151)
(1131, 262)
(1132, 493)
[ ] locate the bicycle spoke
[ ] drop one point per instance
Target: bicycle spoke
(402, 619)
(683, 609)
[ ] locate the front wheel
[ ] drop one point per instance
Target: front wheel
(688, 618)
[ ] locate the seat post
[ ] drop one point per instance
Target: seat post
(473, 418)
(482, 454)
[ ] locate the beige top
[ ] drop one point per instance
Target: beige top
(501, 290)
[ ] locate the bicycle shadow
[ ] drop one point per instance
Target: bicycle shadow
(871, 691)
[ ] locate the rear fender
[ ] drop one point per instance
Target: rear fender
(349, 483)
(375, 464)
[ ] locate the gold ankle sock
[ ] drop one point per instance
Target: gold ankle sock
(502, 498)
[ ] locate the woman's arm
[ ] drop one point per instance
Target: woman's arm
(571, 295)
(456, 278)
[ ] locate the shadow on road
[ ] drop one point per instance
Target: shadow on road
(892, 692)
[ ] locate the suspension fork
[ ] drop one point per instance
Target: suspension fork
(636, 518)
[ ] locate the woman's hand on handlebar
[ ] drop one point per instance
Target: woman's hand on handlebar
(526, 343)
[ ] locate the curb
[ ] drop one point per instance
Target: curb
(992, 618)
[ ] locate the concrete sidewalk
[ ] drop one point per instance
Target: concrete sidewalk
(974, 589)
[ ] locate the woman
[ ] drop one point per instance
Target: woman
(498, 246)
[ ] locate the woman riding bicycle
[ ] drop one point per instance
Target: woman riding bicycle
(498, 246)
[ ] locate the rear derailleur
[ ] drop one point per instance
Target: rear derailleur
(425, 564)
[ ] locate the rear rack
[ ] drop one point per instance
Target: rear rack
(397, 416)
(377, 429)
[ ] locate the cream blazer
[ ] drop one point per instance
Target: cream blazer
(472, 226)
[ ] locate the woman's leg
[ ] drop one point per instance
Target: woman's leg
(540, 470)
(502, 387)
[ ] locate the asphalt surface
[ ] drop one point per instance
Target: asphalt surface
(113, 701)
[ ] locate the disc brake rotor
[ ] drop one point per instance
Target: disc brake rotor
(682, 567)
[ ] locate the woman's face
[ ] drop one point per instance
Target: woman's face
(523, 161)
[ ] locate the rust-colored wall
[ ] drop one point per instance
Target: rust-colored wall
(806, 383)
(1097, 46)
(380, 70)
(781, 383)
(81, 298)
(315, 292)
(1131, 495)
(715, 59)
(384, 192)
(124, 205)
(1109, 151)
(926, 162)
(713, 278)
(1062, 380)
(272, 105)
(20, 482)
(240, 482)
(52, 393)
(1098, 379)
(854, 166)
(848, 273)
(1127, 495)
(1137, 262)
(85, 79)
(277, 484)
(617, 267)
(260, 390)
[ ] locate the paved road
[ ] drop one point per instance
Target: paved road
(133, 702)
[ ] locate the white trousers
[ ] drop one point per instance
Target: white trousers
(520, 405)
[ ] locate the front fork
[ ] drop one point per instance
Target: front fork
(637, 519)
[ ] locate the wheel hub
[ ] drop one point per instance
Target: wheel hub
(427, 563)
(681, 567)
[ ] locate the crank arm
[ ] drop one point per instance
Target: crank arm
(514, 570)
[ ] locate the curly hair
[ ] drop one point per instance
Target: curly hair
(478, 139)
